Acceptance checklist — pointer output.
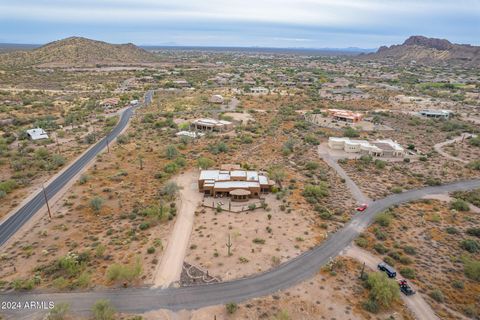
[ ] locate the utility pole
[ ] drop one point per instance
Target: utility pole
(46, 201)
(363, 270)
(140, 159)
(108, 147)
(56, 140)
(229, 245)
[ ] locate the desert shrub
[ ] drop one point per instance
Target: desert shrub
(151, 250)
(312, 165)
(171, 152)
(371, 306)
(472, 269)
(475, 141)
(121, 272)
(451, 230)
(475, 165)
(433, 181)
(457, 284)
(410, 250)
(59, 311)
(408, 273)
(83, 179)
(83, 281)
(459, 205)
(313, 193)
(96, 204)
(311, 139)
(231, 307)
(361, 242)
(349, 132)
(383, 291)
(380, 164)
(379, 234)
(384, 219)
(288, 147)
(170, 190)
(8, 186)
(474, 232)
(103, 310)
(380, 248)
(437, 295)
(258, 241)
(170, 167)
(396, 189)
(123, 139)
(205, 163)
(218, 148)
(470, 245)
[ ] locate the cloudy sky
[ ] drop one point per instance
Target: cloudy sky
(264, 23)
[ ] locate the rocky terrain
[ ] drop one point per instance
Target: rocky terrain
(429, 51)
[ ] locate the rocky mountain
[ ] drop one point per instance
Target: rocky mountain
(429, 51)
(78, 52)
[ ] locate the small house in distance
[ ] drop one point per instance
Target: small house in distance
(37, 134)
(110, 103)
(208, 124)
(345, 115)
(437, 114)
(234, 182)
(216, 98)
(259, 90)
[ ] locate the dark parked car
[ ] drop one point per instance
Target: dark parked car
(387, 269)
(405, 288)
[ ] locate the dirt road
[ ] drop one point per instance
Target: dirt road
(419, 307)
(170, 267)
(438, 147)
(357, 194)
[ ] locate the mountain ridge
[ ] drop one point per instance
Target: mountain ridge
(78, 52)
(426, 50)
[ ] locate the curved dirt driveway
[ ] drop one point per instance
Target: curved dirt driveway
(438, 147)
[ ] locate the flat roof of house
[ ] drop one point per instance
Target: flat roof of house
(236, 184)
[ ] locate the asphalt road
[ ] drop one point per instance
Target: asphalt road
(11, 225)
(306, 265)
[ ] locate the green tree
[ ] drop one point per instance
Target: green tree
(383, 290)
(231, 307)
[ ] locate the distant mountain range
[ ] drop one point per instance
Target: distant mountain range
(430, 51)
(77, 52)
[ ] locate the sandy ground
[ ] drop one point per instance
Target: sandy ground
(240, 117)
(170, 267)
(438, 147)
(415, 303)
(285, 236)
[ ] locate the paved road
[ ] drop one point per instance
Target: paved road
(11, 225)
(292, 272)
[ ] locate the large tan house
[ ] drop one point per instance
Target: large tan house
(234, 182)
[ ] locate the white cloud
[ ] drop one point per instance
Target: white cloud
(304, 12)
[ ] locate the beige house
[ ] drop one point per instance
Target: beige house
(208, 124)
(236, 183)
(377, 148)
